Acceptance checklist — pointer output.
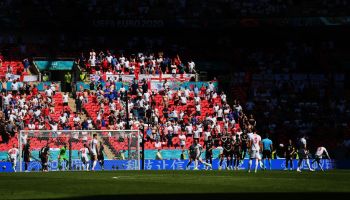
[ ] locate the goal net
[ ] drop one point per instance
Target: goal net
(74, 150)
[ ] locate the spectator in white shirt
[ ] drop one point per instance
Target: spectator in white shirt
(223, 97)
(53, 88)
(211, 87)
(183, 99)
(31, 125)
(182, 138)
(197, 134)
(187, 93)
(109, 58)
(89, 121)
(76, 120)
(206, 135)
(65, 99)
(220, 114)
(63, 119)
(181, 115)
(198, 109)
(158, 144)
(191, 66)
(37, 113)
(14, 87)
(92, 62)
(189, 129)
(238, 107)
(173, 69)
(177, 128)
(197, 99)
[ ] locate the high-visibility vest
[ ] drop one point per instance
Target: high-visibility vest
(68, 78)
(82, 76)
(45, 78)
(273, 155)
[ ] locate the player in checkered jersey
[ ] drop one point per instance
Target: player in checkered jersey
(255, 150)
(84, 155)
(13, 154)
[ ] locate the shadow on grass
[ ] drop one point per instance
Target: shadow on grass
(236, 196)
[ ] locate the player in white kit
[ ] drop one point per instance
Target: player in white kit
(199, 150)
(255, 146)
(303, 153)
(13, 154)
(94, 151)
(318, 156)
(84, 153)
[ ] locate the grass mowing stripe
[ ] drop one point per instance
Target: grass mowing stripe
(73, 184)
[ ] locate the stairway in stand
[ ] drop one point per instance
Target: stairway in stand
(71, 104)
(107, 150)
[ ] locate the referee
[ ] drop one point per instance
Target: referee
(267, 149)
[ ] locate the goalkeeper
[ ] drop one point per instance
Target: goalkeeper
(62, 158)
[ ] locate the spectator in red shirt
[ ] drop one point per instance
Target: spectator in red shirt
(35, 90)
(105, 65)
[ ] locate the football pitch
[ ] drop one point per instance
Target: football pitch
(86, 185)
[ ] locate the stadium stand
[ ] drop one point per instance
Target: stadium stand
(260, 95)
(168, 113)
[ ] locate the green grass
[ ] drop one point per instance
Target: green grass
(77, 184)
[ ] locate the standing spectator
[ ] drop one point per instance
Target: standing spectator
(35, 90)
(78, 104)
(197, 134)
(26, 64)
(76, 119)
(182, 138)
(53, 88)
(68, 81)
(198, 109)
(191, 66)
(169, 137)
(48, 92)
(3, 85)
(11, 129)
(158, 144)
(4, 134)
(65, 99)
(14, 87)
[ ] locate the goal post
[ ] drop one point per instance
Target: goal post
(73, 150)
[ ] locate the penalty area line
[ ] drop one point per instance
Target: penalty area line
(125, 177)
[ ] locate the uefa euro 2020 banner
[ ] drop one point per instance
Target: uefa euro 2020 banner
(40, 85)
(277, 164)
